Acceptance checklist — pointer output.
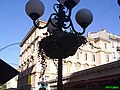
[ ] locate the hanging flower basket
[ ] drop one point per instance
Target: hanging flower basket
(61, 45)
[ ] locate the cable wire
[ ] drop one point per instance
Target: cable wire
(102, 14)
(8, 46)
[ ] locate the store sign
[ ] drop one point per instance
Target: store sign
(43, 84)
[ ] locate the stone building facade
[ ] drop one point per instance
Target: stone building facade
(98, 50)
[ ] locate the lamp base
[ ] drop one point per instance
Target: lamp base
(70, 4)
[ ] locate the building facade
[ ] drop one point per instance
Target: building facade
(107, 42)
(97, 51)
(12, 84)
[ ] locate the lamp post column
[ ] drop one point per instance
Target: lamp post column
(61, 18)
(59, 83)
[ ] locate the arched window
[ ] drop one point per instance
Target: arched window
(93, 65)
(77, 66)
(86, 65)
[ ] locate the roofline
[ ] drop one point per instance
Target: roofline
(30, 32)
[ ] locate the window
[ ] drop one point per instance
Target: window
(69, 64)
(86, 56)
(112, 45)
(93, 58)
(33, 48)
(107, 58)
(33, 80)
(77, 66)
(93, 65)
(77, 55)
(86, 65)
(105, 45)
(27, 63)
(114, 55)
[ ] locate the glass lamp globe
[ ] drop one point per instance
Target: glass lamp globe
(84, 17)
(34, 9)
(118, 2)
(69, 3)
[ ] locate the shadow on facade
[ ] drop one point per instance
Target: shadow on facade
(24, 79)
(12, 89)
(104, 77)
(103, 83)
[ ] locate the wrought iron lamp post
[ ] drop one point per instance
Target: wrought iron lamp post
(118, 1)
(60, 43)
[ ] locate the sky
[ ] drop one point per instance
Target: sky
(15, 24)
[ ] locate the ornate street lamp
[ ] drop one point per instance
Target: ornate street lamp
(60, 43)
(118, 1)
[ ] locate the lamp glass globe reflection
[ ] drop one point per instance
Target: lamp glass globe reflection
(34, 9)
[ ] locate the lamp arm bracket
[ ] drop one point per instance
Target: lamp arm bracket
(68, 17)
(54, 7)
(38, 26)
(42, 27)
(58, 0)
(66, 26)
(68, 12)
(79, 33)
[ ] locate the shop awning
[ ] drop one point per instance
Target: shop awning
(6, 72)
